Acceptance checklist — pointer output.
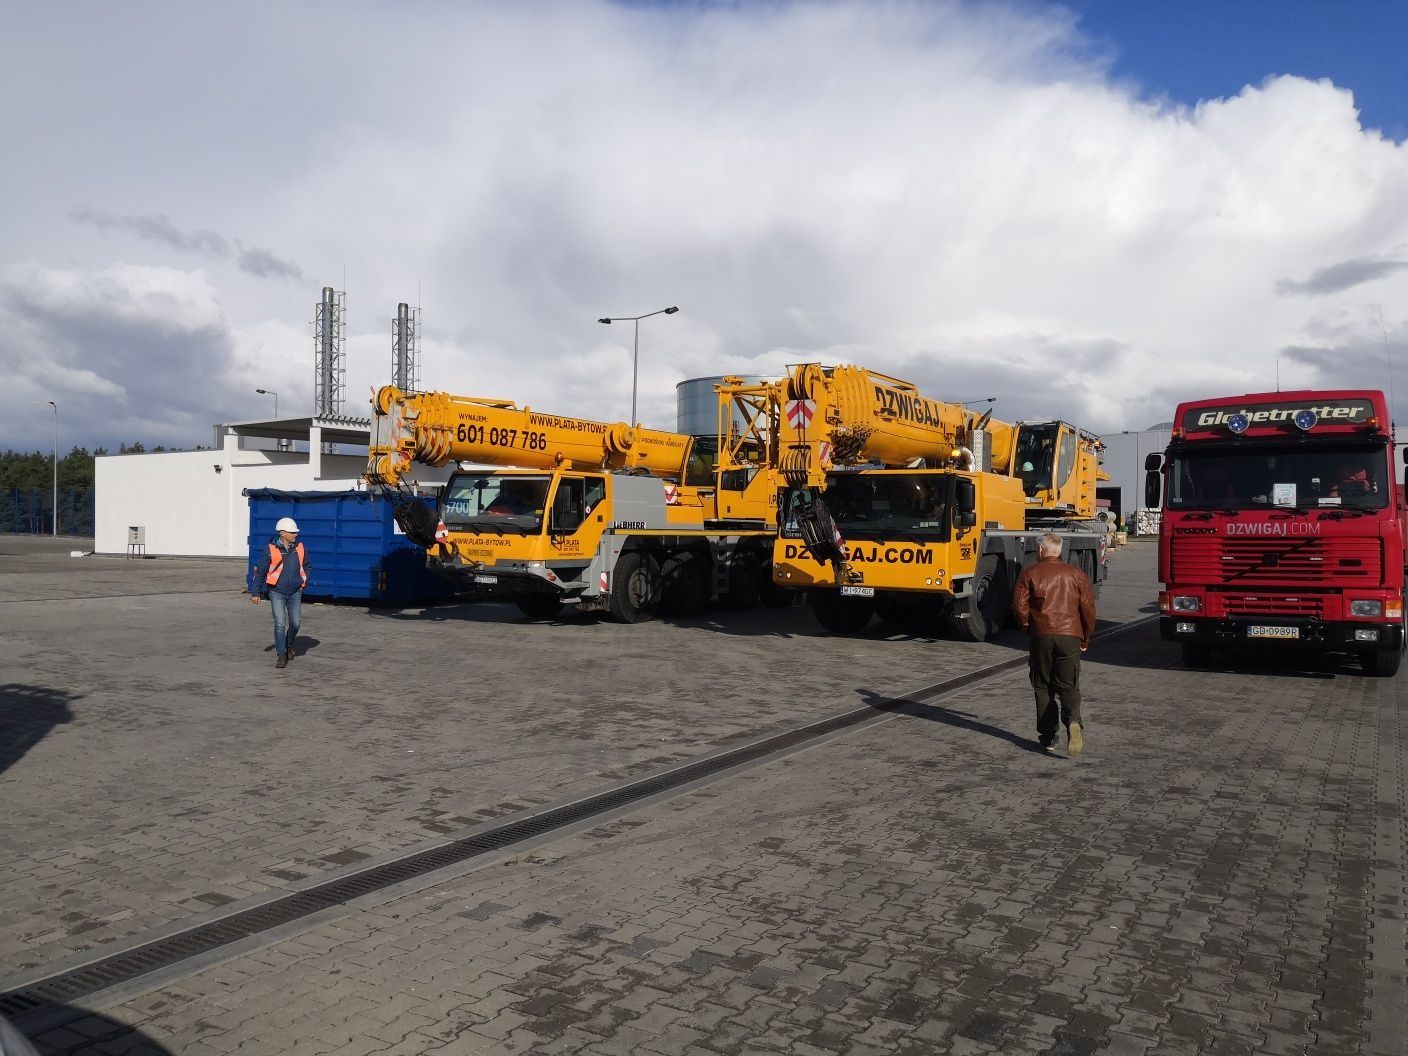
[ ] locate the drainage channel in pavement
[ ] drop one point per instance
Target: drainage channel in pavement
(44, 996)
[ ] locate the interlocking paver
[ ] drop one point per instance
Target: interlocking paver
(1209, 878)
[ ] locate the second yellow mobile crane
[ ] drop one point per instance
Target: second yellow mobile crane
(900, 505)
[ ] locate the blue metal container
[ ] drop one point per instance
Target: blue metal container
(355, 549)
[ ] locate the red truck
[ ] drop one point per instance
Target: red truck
(1282, 525)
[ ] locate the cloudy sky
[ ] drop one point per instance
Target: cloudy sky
(1048, 204)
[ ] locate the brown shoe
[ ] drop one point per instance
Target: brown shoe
(288, 653)
(1075, 739)
(282, 661)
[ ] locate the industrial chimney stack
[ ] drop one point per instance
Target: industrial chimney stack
(329, 378)
(405, 348)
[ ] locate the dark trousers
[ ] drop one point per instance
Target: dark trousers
(1055, 667)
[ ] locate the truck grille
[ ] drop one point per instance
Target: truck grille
(1214, 559)
(1310, 606)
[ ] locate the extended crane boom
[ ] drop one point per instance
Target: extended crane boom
(848, 415)
(435, 428)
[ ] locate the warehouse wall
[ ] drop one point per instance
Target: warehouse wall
(191, 503)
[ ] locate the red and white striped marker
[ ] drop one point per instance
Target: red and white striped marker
(799, 412)
(671, 494)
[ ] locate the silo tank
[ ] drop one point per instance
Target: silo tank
(697, 404)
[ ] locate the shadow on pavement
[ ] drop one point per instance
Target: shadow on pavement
(27, 714)
(950, 717)
(63, 1030)
(1144, 650)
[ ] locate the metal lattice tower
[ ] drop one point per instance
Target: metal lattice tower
(405, 348)
(329, 369)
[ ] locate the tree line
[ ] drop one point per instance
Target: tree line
(34, 471)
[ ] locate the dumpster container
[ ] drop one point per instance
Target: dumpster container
(356, 550)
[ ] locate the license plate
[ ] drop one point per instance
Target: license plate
(486, 580)
(858, 592)
(1273, 632)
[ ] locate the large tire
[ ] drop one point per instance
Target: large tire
(635, 589)
(1379, 663)
(539, 606)
(742, 592)
(1197, 654)
(840, 615)
(684, 586)
(979, 616)
(771, 593)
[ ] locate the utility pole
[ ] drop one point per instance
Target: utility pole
(56, 466)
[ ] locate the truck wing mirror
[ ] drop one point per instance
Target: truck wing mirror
(965, 502)
(1154, 462)
(1153, 490)
(1405, 456)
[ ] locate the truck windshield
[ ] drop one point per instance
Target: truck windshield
(495, 503)
(879, 505)
(1351, 476)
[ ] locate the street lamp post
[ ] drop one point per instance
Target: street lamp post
(56, 466)
(271, 392)
(635, 346)
(1132, 521)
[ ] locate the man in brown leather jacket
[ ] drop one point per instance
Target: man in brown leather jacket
(1055, 604)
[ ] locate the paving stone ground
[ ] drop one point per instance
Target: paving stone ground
(1222, 871)
(155, 765)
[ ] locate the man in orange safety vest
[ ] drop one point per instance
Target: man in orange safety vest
(280, 575)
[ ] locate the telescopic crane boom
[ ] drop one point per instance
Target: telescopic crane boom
(435, 428)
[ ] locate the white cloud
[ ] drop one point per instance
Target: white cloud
(951, 192)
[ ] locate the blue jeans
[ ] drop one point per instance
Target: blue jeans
(288, 609)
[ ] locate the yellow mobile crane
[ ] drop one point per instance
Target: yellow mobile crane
(599, 515)
(901, 505)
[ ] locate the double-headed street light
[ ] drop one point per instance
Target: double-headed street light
(635, 348)
(271, 392)
(56, 465)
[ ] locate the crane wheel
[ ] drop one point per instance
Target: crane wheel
(635, 589)
(773, 594)
(684, 587)
(539, 606)
(979, 616)
(743, 577)
(840, 615)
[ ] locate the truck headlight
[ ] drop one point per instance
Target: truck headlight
(1366, 634)
(1186, 603)
(1366, 608)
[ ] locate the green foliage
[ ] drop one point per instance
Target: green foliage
(34, 471)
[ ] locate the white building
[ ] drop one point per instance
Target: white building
(192, 503)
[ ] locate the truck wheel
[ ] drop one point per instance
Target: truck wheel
(684, 588)
(1197, 654)
(837, 614)
(539, 606)
(773, 594)
(742, 593)
(635, 589)
(979, 616)
(901, 610)
(1378, 663)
